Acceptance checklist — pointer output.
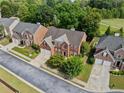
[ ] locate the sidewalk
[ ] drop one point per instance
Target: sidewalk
(40, 59)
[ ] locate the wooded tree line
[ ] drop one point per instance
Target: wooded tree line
(83, 15)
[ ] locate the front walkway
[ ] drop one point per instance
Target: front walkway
(99, 78)
(41, 58)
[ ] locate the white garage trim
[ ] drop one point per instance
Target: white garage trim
(107, 63)
(98, 61)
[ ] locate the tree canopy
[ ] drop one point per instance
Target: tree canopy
(72, 67)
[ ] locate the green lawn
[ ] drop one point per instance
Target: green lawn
(16, 83)
(27, 51)
(4, 41)
(118, 23)
(115, 25)
(116, 82)
(84, 75)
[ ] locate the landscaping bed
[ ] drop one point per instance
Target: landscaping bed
(116, 82)
(16, 83)
(27, 51)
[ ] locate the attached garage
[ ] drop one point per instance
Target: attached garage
(98, 61)
(107, 63)
(46, 52)
(15, 41)
(102, 62)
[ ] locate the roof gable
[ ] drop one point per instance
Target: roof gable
(62, 38)
(73, 37)
(22, 26)
(6, 21)
(111, 42)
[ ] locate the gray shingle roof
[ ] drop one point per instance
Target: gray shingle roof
(111, 42)
(6, 21)
(22, 26)
(74, 37)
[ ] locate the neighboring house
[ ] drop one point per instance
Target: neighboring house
(65, 42)
(110, 52)
(9, 24)
(28, 33)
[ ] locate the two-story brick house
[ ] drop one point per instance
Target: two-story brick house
(110, 52)
(63, 41)
(28, 33)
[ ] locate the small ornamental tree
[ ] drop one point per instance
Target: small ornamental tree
(55, 61)
(36, 48)
(121, 32)
(72, 67)
(108, 31)
(85, 49)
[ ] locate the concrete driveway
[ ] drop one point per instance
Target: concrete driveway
(99, 78)
(41, 58)
(38, 78)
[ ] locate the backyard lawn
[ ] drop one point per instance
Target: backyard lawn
(4, 41)
(27, 51)
(116, 82)
(115, 25)
(84, 75)
(14, 82)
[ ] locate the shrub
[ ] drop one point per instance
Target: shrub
(117, 72)
(91, 60)
(36, 48)
(72, 67)
(85, 49)
(55, 61)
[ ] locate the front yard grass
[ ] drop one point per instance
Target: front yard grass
(84, 75)
(16, 83)
(116, 82)
(5, 41)
(27, 51)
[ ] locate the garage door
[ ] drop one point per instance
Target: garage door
(15, 41)
(98, 61)
(107, 63)
(46, 52)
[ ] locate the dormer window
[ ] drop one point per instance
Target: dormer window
(105, 54)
